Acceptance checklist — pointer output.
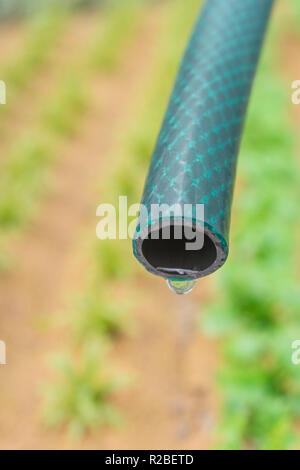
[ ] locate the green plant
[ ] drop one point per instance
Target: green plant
(294, 8)
(41, 36)
(81, 399)
(98, 315)
(110, 260)
(119, 28)
(21, 180)
(24, 170)
(65, 109)
(259, 295)
(43, 33)
(98, 318)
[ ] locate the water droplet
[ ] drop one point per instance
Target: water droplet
(181, 287)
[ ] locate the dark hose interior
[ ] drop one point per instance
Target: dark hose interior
(170, 256)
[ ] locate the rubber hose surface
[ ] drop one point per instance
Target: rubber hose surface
(194, 161)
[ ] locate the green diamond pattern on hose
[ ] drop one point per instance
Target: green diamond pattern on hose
(195, 157)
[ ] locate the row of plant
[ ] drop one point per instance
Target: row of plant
(42, 34)
(23, 175)
(81, 398)
(119, 29)
(11, 9)
(294, 10)
(257, 312)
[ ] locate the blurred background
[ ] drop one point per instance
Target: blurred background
(100, 354)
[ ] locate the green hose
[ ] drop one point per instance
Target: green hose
(194, 161)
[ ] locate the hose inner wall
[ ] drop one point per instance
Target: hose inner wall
(171, 249)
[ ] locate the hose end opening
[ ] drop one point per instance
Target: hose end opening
(169, 251)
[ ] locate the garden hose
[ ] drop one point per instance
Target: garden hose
(194, 161)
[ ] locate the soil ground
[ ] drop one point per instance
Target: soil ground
(171, 402)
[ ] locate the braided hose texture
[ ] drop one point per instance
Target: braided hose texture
(194, 161)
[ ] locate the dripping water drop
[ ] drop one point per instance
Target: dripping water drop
(181, 287)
